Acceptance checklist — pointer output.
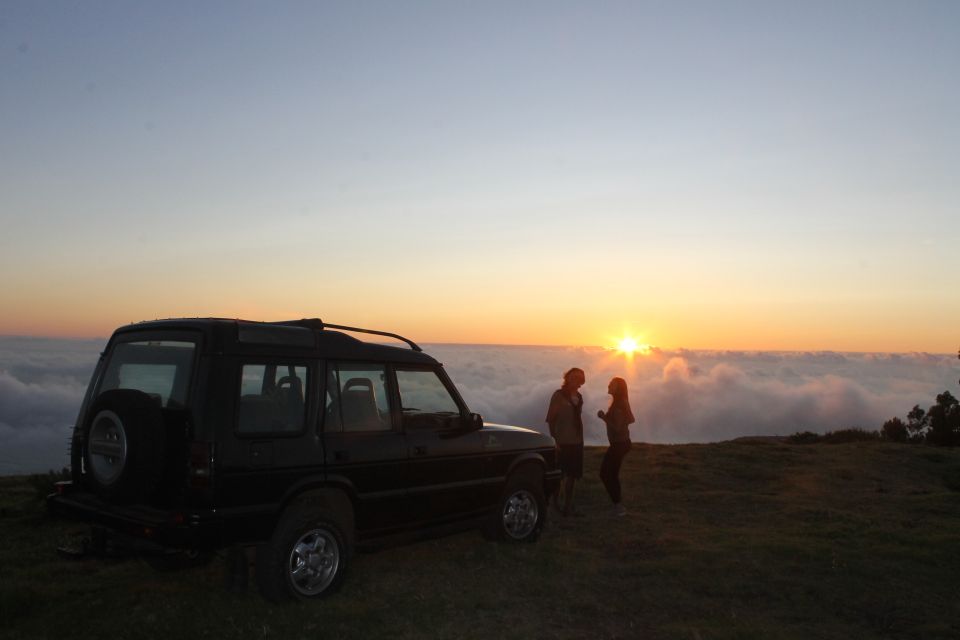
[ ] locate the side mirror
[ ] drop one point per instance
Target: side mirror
(476, 421)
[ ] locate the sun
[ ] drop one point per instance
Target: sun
(628, 346)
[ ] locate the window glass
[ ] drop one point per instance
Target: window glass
(271, 398)
(161, 369)
(331, 413)
(424, 400)
(357, 398)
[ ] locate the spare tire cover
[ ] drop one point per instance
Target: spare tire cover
(124, 444)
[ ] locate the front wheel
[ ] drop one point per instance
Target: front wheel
(522, 510)
(305, 559)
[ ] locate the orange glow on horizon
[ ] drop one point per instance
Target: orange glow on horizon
(57, 311)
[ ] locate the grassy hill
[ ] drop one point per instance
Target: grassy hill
(749, 539)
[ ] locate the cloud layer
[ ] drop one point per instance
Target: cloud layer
(42, 383)
(703, 396)
(677, 396)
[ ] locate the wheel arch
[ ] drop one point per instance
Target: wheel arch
(531, 459)
(333, 498)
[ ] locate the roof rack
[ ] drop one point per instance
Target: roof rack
(319, 325)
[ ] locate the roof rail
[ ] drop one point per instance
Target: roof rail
(319, 325)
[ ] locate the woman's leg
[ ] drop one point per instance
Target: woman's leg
(617, 453)
(605, 469)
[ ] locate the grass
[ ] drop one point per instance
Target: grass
(747, 539)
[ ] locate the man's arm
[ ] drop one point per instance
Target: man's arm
(551, 418)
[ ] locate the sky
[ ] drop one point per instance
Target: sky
(678, 396)
(702, 175)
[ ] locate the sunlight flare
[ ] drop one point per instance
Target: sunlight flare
(629, 346)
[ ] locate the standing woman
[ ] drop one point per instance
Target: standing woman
(566, 426)
(618, 418)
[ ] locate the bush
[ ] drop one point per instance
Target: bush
(804, 437)
(916, 424)
(856, 434)
(943, 419)
(939, 425)
(895, 430)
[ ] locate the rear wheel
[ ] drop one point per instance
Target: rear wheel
(306, 558)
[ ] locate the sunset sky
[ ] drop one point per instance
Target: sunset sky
(720, 175)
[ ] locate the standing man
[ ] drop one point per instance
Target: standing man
(566, 427)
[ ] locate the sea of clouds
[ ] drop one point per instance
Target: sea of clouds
(677, 396)
(42, 382)
(704, 396)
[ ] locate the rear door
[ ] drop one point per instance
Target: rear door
(161, 365)
(271, 448)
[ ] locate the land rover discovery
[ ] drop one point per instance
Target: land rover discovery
(293, 438)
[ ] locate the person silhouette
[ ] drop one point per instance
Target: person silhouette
(618, 418)
(564, 416)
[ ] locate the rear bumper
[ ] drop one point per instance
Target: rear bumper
(196, 529)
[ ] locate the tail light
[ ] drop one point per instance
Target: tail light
(201, 464)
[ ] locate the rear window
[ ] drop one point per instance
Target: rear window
(159, 368)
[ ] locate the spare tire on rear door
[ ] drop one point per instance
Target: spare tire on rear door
(124, 443)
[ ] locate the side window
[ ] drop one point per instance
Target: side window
(357, 398)
(331, 413)
(424, 400)
(271, 398)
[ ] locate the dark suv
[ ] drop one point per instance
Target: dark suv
(295, 438)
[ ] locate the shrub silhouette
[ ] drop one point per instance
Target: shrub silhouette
(895, 430)
(943, 420)
(939, 425)
(916, 424)
(855, 434)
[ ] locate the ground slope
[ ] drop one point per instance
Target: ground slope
(754, 539)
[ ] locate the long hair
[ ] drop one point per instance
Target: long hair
(620, 399)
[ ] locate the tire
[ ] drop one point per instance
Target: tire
(123, 444)
(306, 558)
(522, 510)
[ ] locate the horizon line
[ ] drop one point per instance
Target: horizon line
(556, 346)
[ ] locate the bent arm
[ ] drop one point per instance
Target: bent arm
(552, 412)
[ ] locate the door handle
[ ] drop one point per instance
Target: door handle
(341, 456)
(420, 450)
